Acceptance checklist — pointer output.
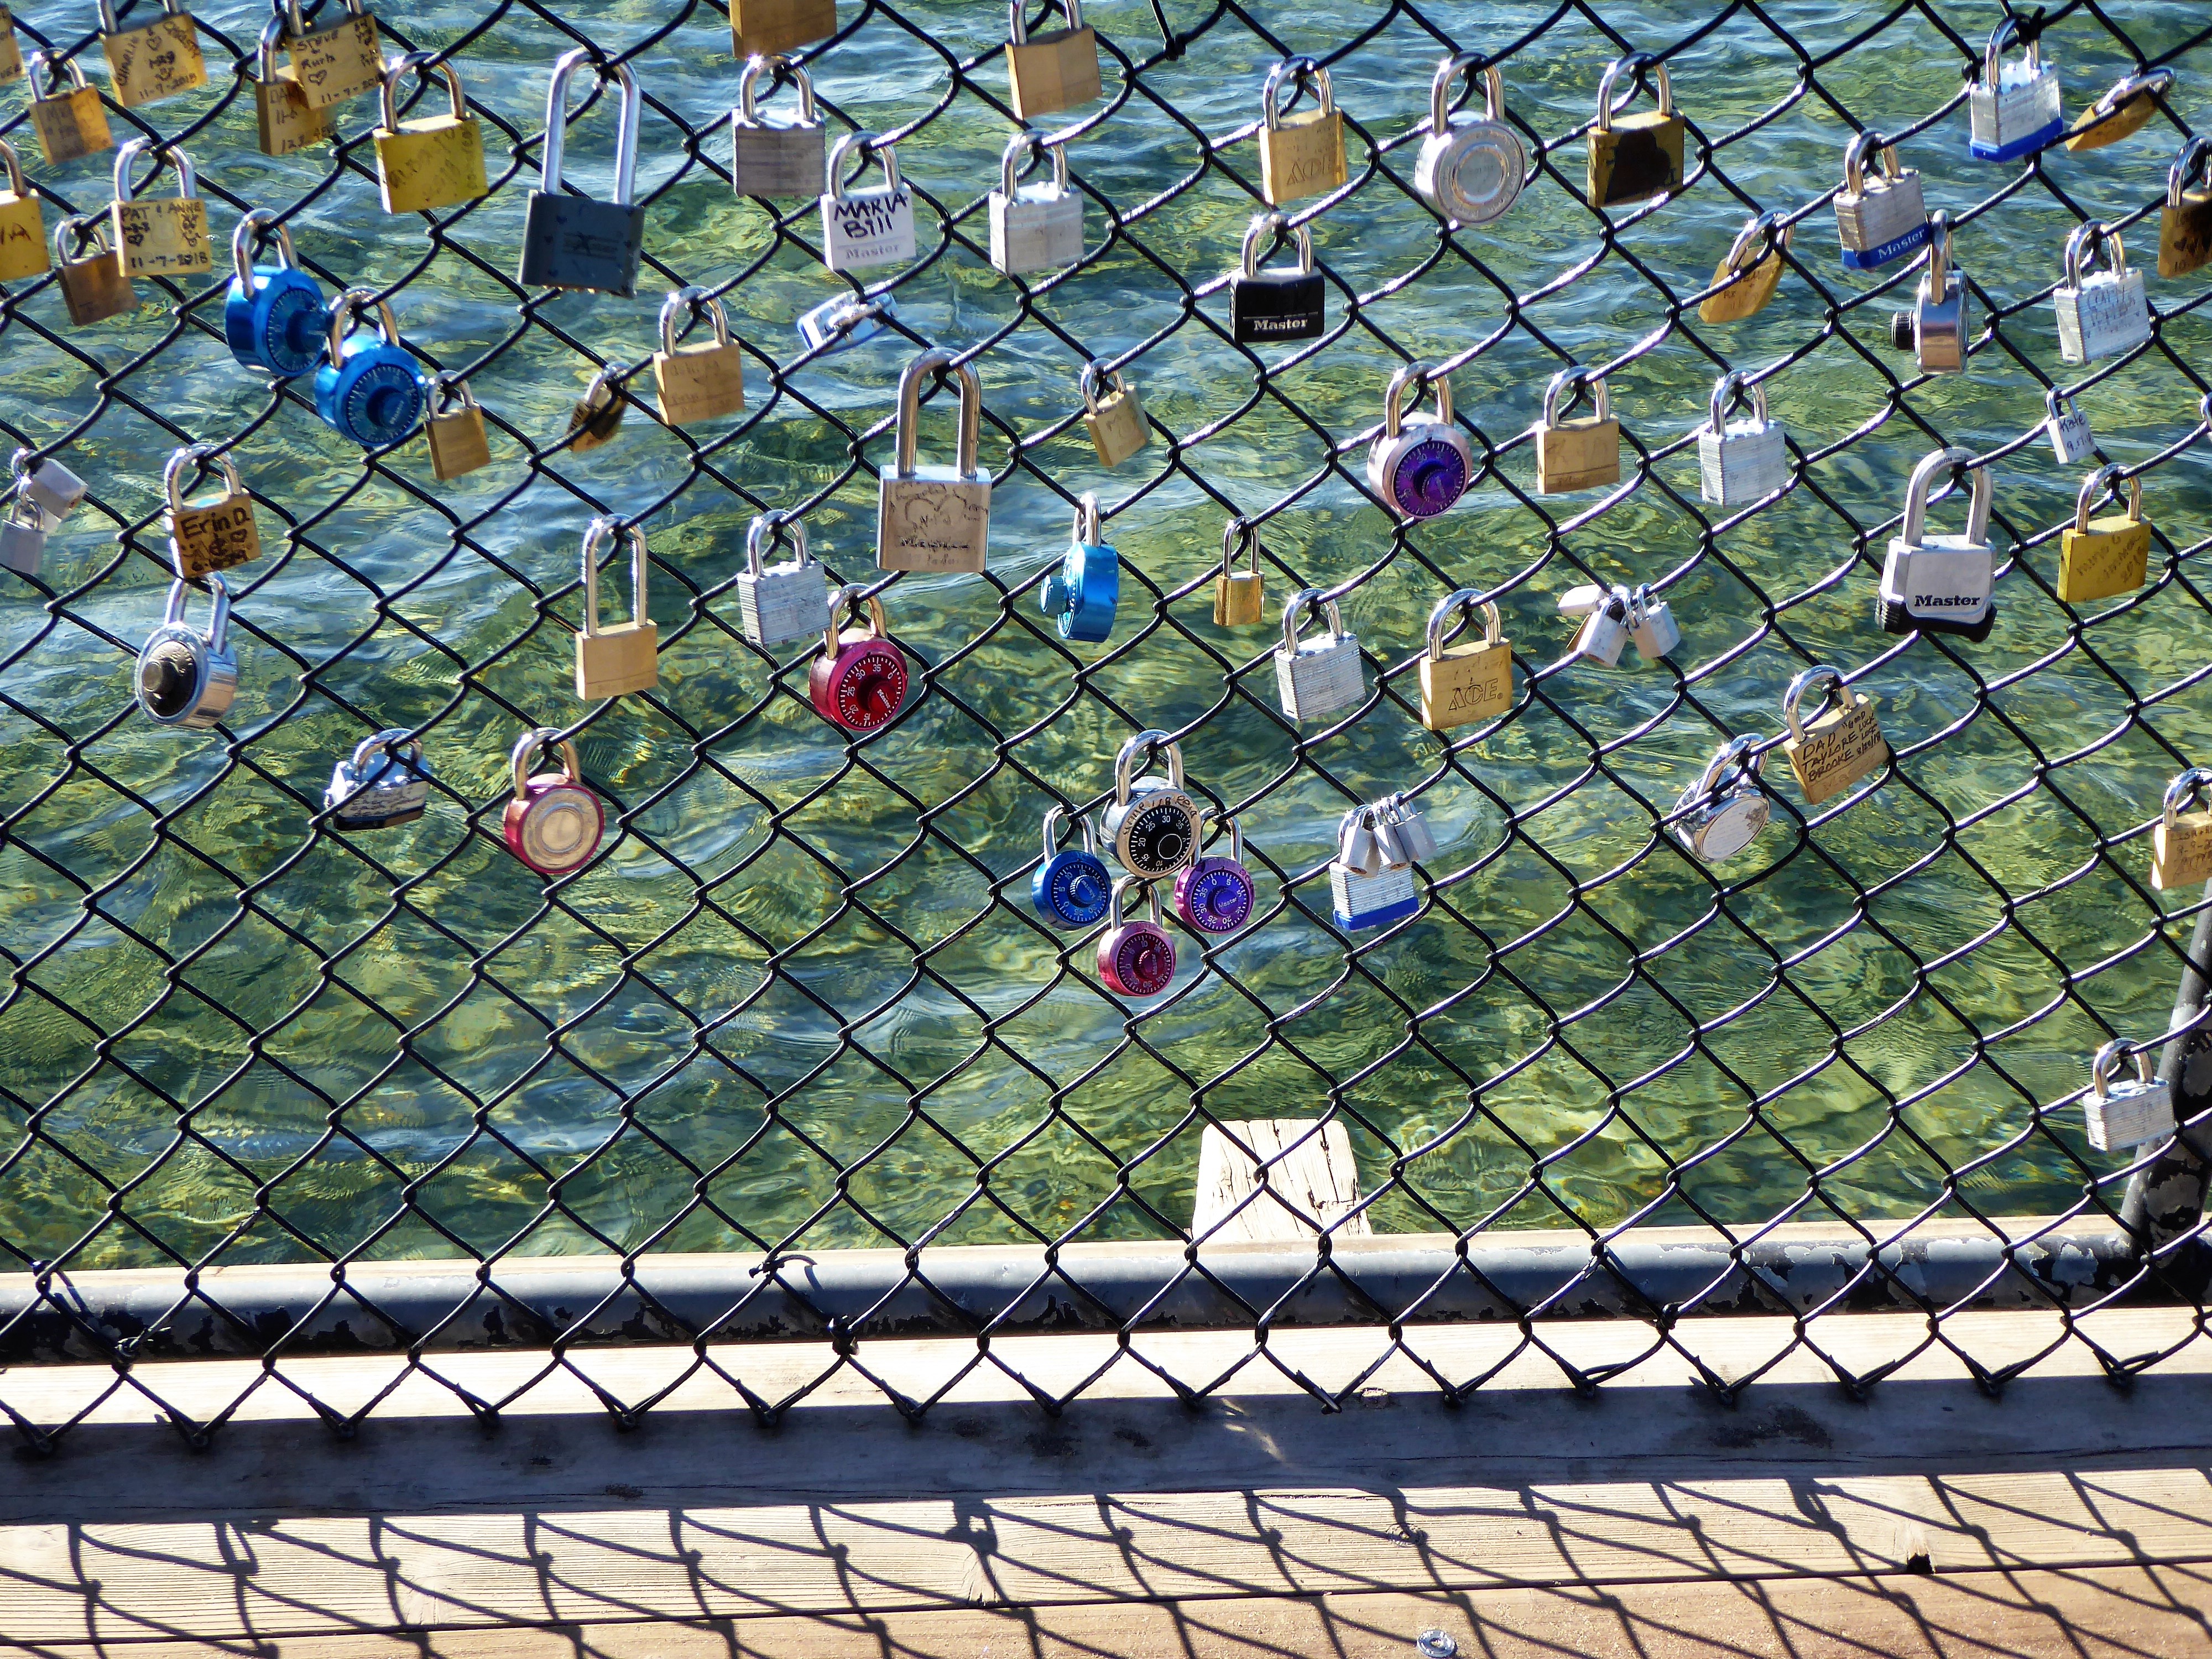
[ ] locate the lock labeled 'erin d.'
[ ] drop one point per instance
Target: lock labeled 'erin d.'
(212, 534)
(2181, 844)
(434, 160)
(1302, 155)
(576, 241)
(2100, 558)
(1419, 468)
(1880, 219)
(1318, 677)
(1583, 452)
(185, 677)
(1279, 303)
(161, 236)
(700, 382)
(1639, 157)
(934, 518)
(1840, 744)
(861, 228)
(613, 661)
(338, 63)
(1470, 168)
(2106, 312)
(1463, 684)
(1035, 227)
(22, 223)
(1053, 70)
(776, 159)
(156, 58)
(1941, 583)
(777, 603)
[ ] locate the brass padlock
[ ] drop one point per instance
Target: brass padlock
(1841, 744)
(1239, 600)
(1577, 454)
(436, 162)
(458, 443)
(697, 382)
(1754, 263)
(1056, 70)
(11, 55)
(161, 237)
(2099, 557)
(212, 534)
(341, 62)
(1116, 419)
(1640, 157)
(1465, 683)
(283, 119)
(598, 416)
(625, 658)
(2184, 224)
(69, 123)
(1300, 155)
(2181, 846)
(760, 27)
(23, 224)
(96, 289)
(156, 59)
(2123, 110)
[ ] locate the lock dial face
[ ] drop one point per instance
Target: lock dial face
(1072, 888)
(1475, 174)
(1215, 896)
(1734, 825)
(556, 826)
(1137, 960)
(866, 689)
(1159, 834)
(169, 678)
(1428, 478)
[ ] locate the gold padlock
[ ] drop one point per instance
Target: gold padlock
(1115, 420)
(437, 161)
(1754, 260)
(2099, 557)
(11, 55)
(160, 238)
(700, 382)
(210, 535)
(1465, 683)
(93, 288)
(23, 224)
(341, 62)
(459, 442)
(765, 27)
(1842, 743)
(1238, 600)
(1300, 155)
(1577, 454)
(626, 657)
(283, 119)
(150, 61)
(2124, 109)
(1056, 70)
(1635, 159)
(2185, 225)
(598, 416)
(2181, 846)
(69, 123)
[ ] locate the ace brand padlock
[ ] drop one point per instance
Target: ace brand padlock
(338, 63)
(1055, 70)
(860, 680)
(1423, 467)
(369, 391)
(2099, 557)
(1279, 303)
(1081, 596)
(1720, 815)
(758, 26)
(2131, 1112)
(1367, 888)
(1842, 744)
(574, 242)
(1315, 679)
(1070, 885)
(216, 533)
(1880, 218)
(698, 382)
(1652, 625)
(22, 223)
(1111, 413)
(94, 287)
(1603, 634)
(1239, 595)
(2106, 312)
(1636, 159)
(934, 518)
(2068, 428)
(1135, 958)
(385, 784)
(2181, 845)
(776, 159)
(154, 59)
(184, 677)
(1934, 329)
(70, 122)
(1941, 583)
(1152, 824)
(283, 119)
(163, 236)
(2123, 110)
(781, 602)
(1034, 226)
(1583, 454)
(611, 662)
(453, 422)
(435, 161)
(861, 228)
(1463, 684)
(2014, 107)
(1300, 155)
(1217, 895)
(274, 318)
(553, 824)
(1740, 461)
(1749, 272)
(2184, 224)
(1470, 168)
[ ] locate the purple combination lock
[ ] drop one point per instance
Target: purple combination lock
(1423, 468)
(1217, 895)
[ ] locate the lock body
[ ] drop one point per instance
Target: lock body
(54, 490)
(283, 120)
(96, 289)
(2181, 851)
(1137, 959)
(1603, 633)
(205, 537)
(782, 602)
(2184, 232)
(1423, 470)
(70, 124)
(612, 662)
(1583, 454)
(1652, 625)
(1082, 596)
(1745, 461)
(1935, 328)
(2112, 556)
(2128, 1114)
(2018, 113)
(184, 677)
(1363, 900)
(1116, 425)
(1941, 585)
(577, 243)
(700, 382)
(761, 26)
(1053, 70)
(1468, 683)
(1304, 156)
(936, 518)
(1039, 227)
(555, 824)
(1215, 895)
(1639, 157)
(863, 228)
(11, 55)
(1278, 304)
(1725, 828)
(778, 161)
(374, 788)
(1745, 298)
(596, 418)
(23, 235)
(2068, 428)
(373, 394)
(1320, 677)
(863, 685)
(154, 60)
(1883, 221)
(1840, 746)
(1473, 172)
(435, 162)
(1239, 600)
(1071, 888)
(2106, 313)
(460, 445)
(277, 324)
(22, 539)
(848, 320)
(1155, 833)
(339, 63)
(163, 236)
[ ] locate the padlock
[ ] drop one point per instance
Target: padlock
(1935, 329)
(1408, 830)
(554, 823)
(369, 391)
(1070, 886)
(161, 237)
(2014, 107)
(1279, 303)
(1583, 453)
(2184, 224)
(70, 123)
(1740, 461)
(2068, 428)
(1034, 226)
(1603, 635)
(848, 320)
(2107, 312)
(2181, 845)
(1843, 743)
(861, 228)
(210, 535)
(1652, 625)
(1463, 684)
(596, 418)
(1315, 679)
(1882, 219)
(184, 677)
(1470, 168)
(934, 518)
(436, 161)
(698, 382)
(274, 318)
(1941, 583)
(11, 55)
(1116, 420)
(283, 119)
(2129, 1113)
(1217, 895)
(613, 661)
(781, 602)
(1749, 272)
(1422, 468)
(1366, 889)
(93, 288)
(385, 784)
(759, 27)
(23, 531)
(459, 442)
(2099, 557)
(1152, 823)
(1716, 816)
(574, 242)
(338, 63)
(1640, 157)
(1239, 597)
(776, 159)
(23, 224)
(2123, 110)
(1081, 596)
(1300, 155)
(152, 60)
(50, 487)
(1055, 70)
(1135, 958)
(860, 680)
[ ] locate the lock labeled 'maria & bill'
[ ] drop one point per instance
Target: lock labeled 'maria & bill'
(863, 228)
(161, 236)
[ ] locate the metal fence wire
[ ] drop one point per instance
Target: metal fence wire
(799, 1013)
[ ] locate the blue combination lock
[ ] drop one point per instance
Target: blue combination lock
(275, 318)
(1080, 596)
(370, 391)
(1071, 889)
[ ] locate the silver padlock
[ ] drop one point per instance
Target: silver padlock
(776, 159)
(52, 488)
(385, 783)
(1935, 329)
(2128, 1113)
(1941, 583)
(1718, 816)
(1417, 842)
(1034, 226)
(185, 677)
(2068, 428)
(2106, 312)
(1882, 219)
(22, 535)
(1603, 635)
(1366, 888)
(781, 602)
(2014, 107)
(1740, 461)
(1651, 625)
(1315, 679)
(848, 320)
(1470, 168)
(1418, 467)
(934, 518)
(864, 227)
(1152, 824)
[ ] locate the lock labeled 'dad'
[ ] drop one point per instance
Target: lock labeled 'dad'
(1840, 744)
(1461, 684)
(613, 661)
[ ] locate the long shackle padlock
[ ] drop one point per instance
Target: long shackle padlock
(576, 241)
(184, 677)
(611, 662)
(934, 518)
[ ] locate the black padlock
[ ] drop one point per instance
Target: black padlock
(1281, 302)
(574, 242)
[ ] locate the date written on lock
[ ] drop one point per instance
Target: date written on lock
(152, 59)
(161, 236)
(213, 534)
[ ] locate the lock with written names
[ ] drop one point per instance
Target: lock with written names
(283, 119)
(453, 422)
(50, 487)
(70, 122)
(1752, 269)
(1422, 467)
(2185, 223)
(1055, 70)
(2099, 557)
(1239, 595)
(11, 55)
(861, 228)
(2106, 312)
(1111, 413)
(1081, 596)
(1152, 823)
(23, 531)
(22, 223)
(1882, 219)
(1740, 461)
(760, 27)
(1842, 744)
(2129, 1113)
(2123, 110)
(165, 236)
(1941, 583)
(211, 534)
(153, 60)
(1934, 329)
(2014, 107)
(1581, 453)
(1652, 625)
(613, 661)
(369, 391)
(1281, 302)
(338, 63)
(554, 823)
(776, 159)
(574, 242)
(848, 320)
(1603, 635)
(1070, 885)
(698, 382)
(2181, 845)
(435, 161)
(384, 784)
(1034, 226)
(2071, 441)
(860, 680)
(1720, 815)
(1635, 159)
(1369, 885)
(1300, 155)
(1315, 679)
(1135, 958)
(1217, 895)
(1470, 168)
(184, 677)
(94, 287)
(934, 518)
(274, 317)
(1463, 684)
(596, 416)
(781, 602)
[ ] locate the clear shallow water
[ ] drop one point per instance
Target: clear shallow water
(372, 1046)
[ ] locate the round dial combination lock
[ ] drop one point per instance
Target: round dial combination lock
(1152, 824)
(370, 391)
(554, 823)
(1217, 895)
(1136, 958)
(1071, 886)
(1420, 467)
(274, 319)
(860, 680)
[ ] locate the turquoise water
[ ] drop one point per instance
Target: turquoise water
(421, 1057)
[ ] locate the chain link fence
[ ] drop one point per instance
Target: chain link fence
(798, 1033)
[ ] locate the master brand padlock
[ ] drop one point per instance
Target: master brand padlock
(553, 824)
(335, 64)
(1652, 625)
(23, 531)
(1740, 461)
(1239, 595)
(385, 784)
(93, 288)
(435, 161)
(1277, 303)
(2068, 428)
(1423, 468)
(1603, 635)
(1217, 895)
(864, 227)
(1843, 743)
(1749, 272)
(69, 123)
(369, 391)
(161, 237)
(1880, 218)
(1583, 454)
(2185, 223)
(781, 602)
(1941, 583)
(2129, 1113)
(151, 60)
(1300, 155)
(1718, 816)
(23, 224)
(1055, 70)
(596, 416)
(698, 382)
(2014, 107)
(1135, 958)
(934, 518)
(1034, 226)
(774, 159)
(2106, 312)
(2181, 845)
(185, 677)
(613, 661)
(574, 242)
(1934, 329)
(848, 320)
(1315, 679)
(1636, 159)
(459, 442)
(757, 27)
(1367, 889)
(283, 119)
(2099, 557)
(1152, 824)
(210, 535)
(273, 317)
(1070, 885)
(1463, 684)
(1115, 420)
(49, 486)
(1471, 168)
(1081, 596)
(2122, 110)
(860, 680)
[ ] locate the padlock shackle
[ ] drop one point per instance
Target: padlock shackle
(1421, 378)
(1126, 760)
(193, 455)
(1855, 154)
(871, 149)
(423, 64)
(354, 8)
(1270, 221)
(92, 231)
(1915, 529)
(556, 121)
(763, 526)
(2006, 31)
(1448, 71)
(163, 151)
(1089, 525)
(54, 68)
(1734, 750)
(1732, 386)
(1935, 283)
(1297, 604)
(1571, 379)
(443, 385)
(686, 303)
(1087, 832)
(596, 534)
(218, 629)
(1096, 373)
(1020, 147)
(1463, 601)
(2086, 233)
(2107, 1061)
(2193, 161)
(251, 224)
(2179, 794)
(2052, 399)
(527, 748)
(1239, 532)
(18, 186)
(345, 310)
(1121, 885)
(392, 740)
(909, 409)
(1837, 691)
(853, 594)
(1768, 227)
(272, 32)
(2093, 490)
(1349, 828)
(1236, 835)
(1631, 65)
(2154, 83)
(1298, 71)
(748, 113)
(1642, 602)
(1018, 26)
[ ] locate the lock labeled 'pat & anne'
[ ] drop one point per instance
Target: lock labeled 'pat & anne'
(862, 228)
(578, 241)
(611, 662)
(1463, 684)
(1302, 155)
(2101, 314)
(2181, 843)
(553, 821)
(336, 62)
(701, 382)
(1052, 69)
(1840, 744)
(786, 601)
(773, 159)
(434, 160)
(1111, 414)
(22, 223)
(1035, 226)
(1470, 168)
(934, 518)
(1941, 583)
(1740, 461)
(1749, 272)
(1419, 468)
(2131, 1112)
(1934, 329)
(1152, 824)
(160, 235)
(154, 58)
(274, 317)
(1282, 302)
(1081, 594)
(1883, 218)
(214, 533)
(1318, 677)
(187, 678)
(1635, 158)
(2016, 106)
(384, 784)
(2100, 558)
(1722, 812)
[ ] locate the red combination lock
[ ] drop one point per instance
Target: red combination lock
(1135, 958)
(554, 823)
(860, 679)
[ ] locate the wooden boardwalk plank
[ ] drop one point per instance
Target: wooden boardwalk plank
(1312, 1182)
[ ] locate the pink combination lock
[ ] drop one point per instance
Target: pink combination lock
(1216, 895)
(860, 679)
(554, 823)
(1135, 958)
